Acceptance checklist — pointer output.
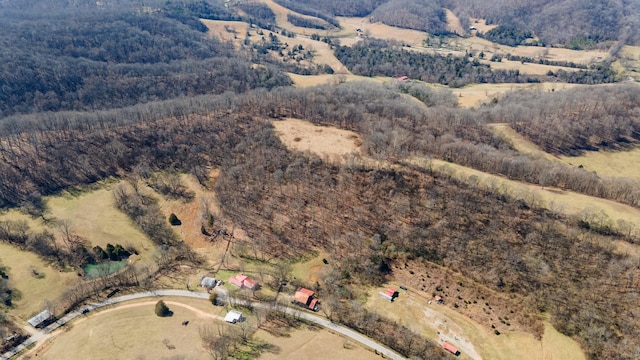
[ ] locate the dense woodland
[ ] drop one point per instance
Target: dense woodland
(580, 24)
(115, 59)
(144, 92)
(324, 8)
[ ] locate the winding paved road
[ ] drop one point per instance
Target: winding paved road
(388, 353)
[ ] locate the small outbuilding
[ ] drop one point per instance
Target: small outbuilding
(305, 297)
(42, 319)
(390, 294)
(438, 299)
(233, 316)
(403, 78)
(450, 348)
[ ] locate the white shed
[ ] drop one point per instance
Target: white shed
(233, 316)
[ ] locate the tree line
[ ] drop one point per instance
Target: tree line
(374, 57)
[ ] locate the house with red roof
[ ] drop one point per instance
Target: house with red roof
(305, 297)
(243, 281)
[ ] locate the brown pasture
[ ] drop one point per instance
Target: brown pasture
(326, 141)
(34, 289)
(311, 344)
(133, 331)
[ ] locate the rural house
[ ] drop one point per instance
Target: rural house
(243, 281)
(305, 297)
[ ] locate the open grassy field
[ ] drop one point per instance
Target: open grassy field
(381, 31)
(34, 290)
(475, 94)
(281, 19)
(307, 343)
(326, 141)
(609, 163)
(605, 163)
(92, 215)
(233, 31)
(478, 44)
(309, 270)
(527, 68)
(453, 23)
(440, 323)
(191, 213)
(628, 63)
(481, 24)
(133, 331)
(312, 80)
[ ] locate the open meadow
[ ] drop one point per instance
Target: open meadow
(92, 214)
(604, 163)
(35, 280)
(133, 331)
(475, 94)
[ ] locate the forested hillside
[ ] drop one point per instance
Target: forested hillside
(575, 23)
(114, 58)
(581, 120)
(555, 263)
